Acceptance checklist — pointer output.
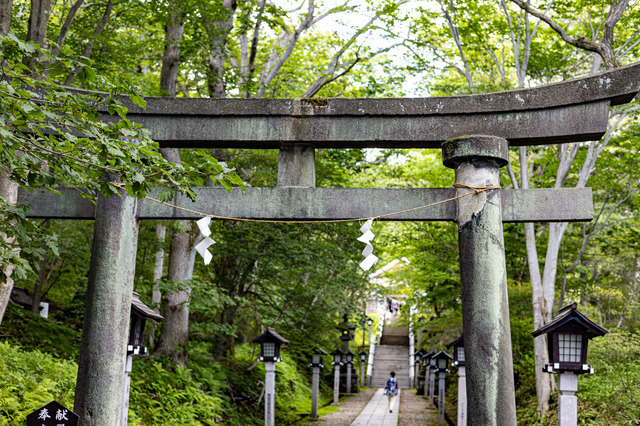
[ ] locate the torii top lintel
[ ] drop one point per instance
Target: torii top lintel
(573, 110)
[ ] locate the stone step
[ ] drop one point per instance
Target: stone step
(392, 357)
(391, 348)
(384, 377)
(398, 331)
(395, 340)
(402, 384)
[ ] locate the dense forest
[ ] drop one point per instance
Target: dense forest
(59, 58)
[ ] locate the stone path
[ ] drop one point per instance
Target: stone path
(376, 413)
(369, 408)
(350, 408)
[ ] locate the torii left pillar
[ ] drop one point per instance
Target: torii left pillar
(98, 397)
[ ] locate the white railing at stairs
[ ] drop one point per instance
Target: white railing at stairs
(412, 342)
(372, 345)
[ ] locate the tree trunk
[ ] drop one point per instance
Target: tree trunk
(38, 20)
(218, 34)
(105, 332)
(174, 31)
(544, 382)
(174, 333)
(42, 276)
(5, 16)
(158, 267)
(8, 191)
(175, 326)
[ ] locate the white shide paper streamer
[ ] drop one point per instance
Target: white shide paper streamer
(203, 246)
(366, 237)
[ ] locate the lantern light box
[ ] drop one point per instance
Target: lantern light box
(568, 335)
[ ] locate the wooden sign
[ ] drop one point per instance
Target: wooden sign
(53, 414)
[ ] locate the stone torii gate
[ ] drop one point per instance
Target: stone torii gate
(572, 111)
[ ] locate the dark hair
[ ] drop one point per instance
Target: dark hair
(393, 374)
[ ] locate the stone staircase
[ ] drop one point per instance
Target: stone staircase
(392, 354)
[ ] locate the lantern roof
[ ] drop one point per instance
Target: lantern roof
(143, 310)
(570, 315)
(349, 353)
(270, 335)
(458, 342)
(337, 352)
(442, 354)
(318, 351)
(363, 352)
(429, 355)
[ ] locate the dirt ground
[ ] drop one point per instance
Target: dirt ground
(350, 408)
(414, 412)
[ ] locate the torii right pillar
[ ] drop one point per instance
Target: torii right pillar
(483, 275)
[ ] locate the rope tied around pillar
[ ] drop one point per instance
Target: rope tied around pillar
(476, 189)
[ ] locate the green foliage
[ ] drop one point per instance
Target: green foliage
(612, 394)
(245, 387)
(31, 379)
(164, 393)
(43, 123)
(36, 333)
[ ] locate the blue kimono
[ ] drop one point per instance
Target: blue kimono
(391, 387)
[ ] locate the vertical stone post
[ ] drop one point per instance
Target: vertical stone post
(441, 397)
(315, 382)
(270, 393)
(362, 366)
(462, 397)
(296, 166)
(348, 377)
(567, 400)
(103, 350)
(127, 386)
(336, 383)
(415, 377)
(483, 276)
(432, 385)
(427, 380)
(369, 335)
(370, 360)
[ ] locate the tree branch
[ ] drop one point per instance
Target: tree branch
(66, 26)
(89, 47)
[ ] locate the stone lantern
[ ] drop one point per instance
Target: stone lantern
(270, 342)
(568, 335)
(347, 331)
(417, 357)
(139, 314)
(432, 377)
(363, 361)
(137, 320)
(316, 364)
(348, 361)
(442, 362)
(337, 362)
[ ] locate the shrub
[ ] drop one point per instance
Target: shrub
(165, 393)
(30, 380)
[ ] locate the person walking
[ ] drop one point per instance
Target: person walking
(391, 389)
